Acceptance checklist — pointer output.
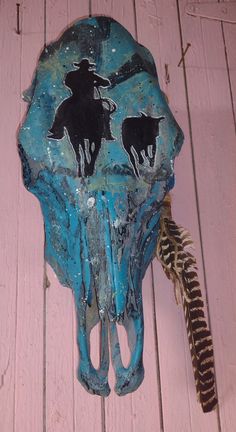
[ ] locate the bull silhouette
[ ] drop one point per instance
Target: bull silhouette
(139, 139)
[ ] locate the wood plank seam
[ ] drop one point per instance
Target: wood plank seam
(158, 368)
(229, 75)
(44, 345)
(17, 244)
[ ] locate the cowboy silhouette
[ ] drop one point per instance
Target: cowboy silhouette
(85, 115)
(83, 81)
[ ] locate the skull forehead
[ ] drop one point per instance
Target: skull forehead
(134, 88)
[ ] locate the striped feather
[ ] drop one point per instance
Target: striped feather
(180, 267)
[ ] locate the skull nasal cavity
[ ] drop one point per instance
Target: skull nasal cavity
(124, 347)
(95, 346)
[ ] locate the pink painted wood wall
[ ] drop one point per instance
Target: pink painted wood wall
(38, 354)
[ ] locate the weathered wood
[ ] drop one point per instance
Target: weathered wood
(9, 202)
(229, 37)
(30, 304)
(69, 406)
(59, 398)
(88, 409)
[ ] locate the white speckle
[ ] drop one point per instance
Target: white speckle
(91, 202)
(113, 50)
(116, 223)
(67, 48)
(62, 154)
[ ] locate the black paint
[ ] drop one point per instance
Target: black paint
(85, 115)
(137, 134)
(133, 66)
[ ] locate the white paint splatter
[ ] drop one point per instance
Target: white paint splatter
(91, 202)
(116, 223)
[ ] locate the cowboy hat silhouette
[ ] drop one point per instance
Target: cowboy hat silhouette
(85, 64)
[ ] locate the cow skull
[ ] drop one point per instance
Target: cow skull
(97, 148)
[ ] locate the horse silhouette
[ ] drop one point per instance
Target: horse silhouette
(85, 116)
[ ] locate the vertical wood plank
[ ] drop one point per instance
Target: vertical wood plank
(78, 10)
(59, 357)
(138, 411)
(164, 45)
(69, 406)
(59, 303)
(30, 305)
(163, 41)
(177, 384)
(146, 402)
(88, 409)
(10, 44)
(123, 12)
(213, 136)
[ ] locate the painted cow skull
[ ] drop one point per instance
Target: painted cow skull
(97, 148)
